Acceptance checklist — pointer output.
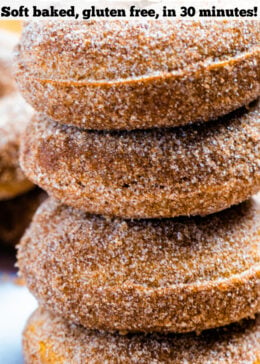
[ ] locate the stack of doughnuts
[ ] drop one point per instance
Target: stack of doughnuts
(17, 202)
(146, 138)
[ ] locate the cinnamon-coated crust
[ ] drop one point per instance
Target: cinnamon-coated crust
(192, 170)
(15, 114)
(169, 275)
(123, 74)
(16, 215)
(49, 339)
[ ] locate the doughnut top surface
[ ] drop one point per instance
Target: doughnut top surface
(118, 50)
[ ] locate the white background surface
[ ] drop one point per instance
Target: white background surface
(16, 305)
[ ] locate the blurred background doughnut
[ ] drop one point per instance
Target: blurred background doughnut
(18, 198)
(8, 40)
(15, 114)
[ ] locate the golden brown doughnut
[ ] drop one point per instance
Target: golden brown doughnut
(14, 116)
(8, 41)
(193, 170)
(16, 214)
(129, 74)
(49, 339)
(168, 275)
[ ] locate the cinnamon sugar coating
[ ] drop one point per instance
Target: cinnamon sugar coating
(129, 74)
(14, 116)
(168, 275)
(16, 215)
(51, 340)
(8, 41)
(193, 170)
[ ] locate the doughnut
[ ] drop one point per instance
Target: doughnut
(157, 275)
(14, 116)
(16, 214)
(8, 41)
(50, 339)
(190, 170)
(130, 74)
